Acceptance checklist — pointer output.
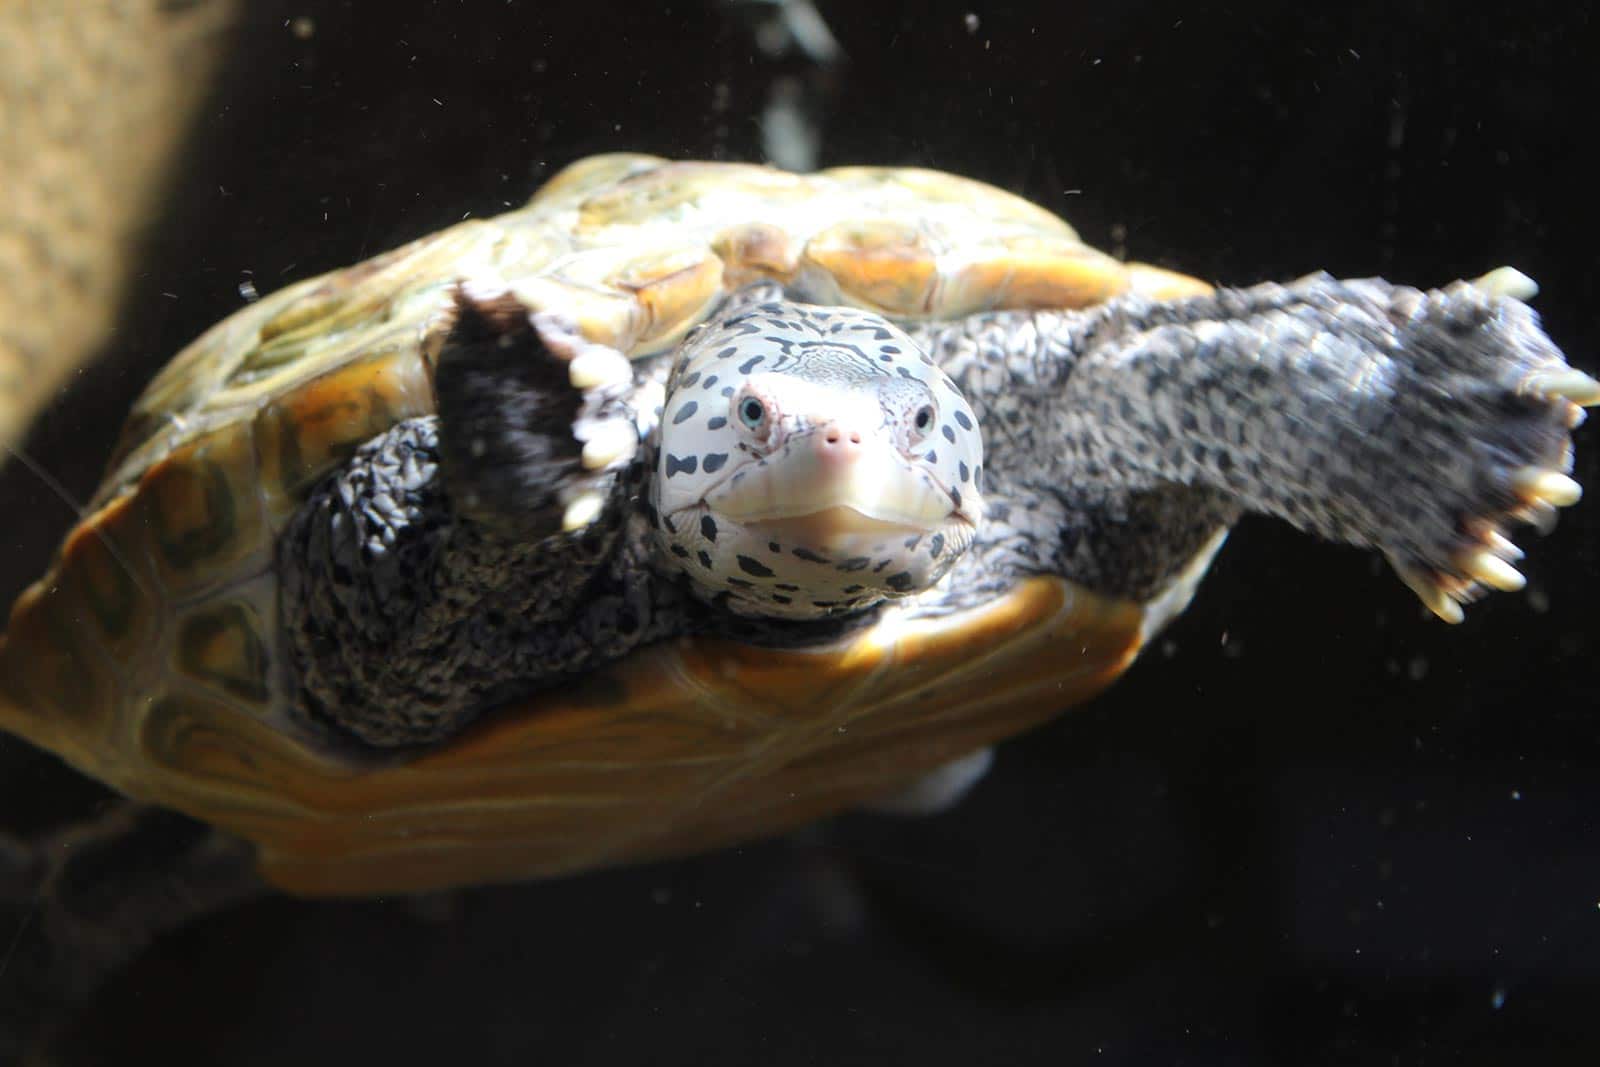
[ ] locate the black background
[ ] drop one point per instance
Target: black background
(1312, 826)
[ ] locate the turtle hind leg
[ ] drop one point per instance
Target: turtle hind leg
(79, 903)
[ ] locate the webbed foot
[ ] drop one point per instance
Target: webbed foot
(1515, 400)
(537, 420)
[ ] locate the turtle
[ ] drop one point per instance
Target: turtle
(695, 501)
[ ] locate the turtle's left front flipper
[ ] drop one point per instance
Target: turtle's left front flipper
(1417, 423)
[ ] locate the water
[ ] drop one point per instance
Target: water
(1313, 827)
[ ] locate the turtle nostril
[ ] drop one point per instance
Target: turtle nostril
(839, 442)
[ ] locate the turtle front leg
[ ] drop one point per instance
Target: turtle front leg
(461, 559)
(1417, 423)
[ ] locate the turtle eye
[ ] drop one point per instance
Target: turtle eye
(752, 412)
(923, 420)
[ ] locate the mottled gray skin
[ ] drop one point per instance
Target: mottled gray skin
(1118, 441)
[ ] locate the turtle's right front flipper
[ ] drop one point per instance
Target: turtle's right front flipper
(460, 558)
(1417, 423)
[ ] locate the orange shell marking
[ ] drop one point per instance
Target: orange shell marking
(690, 745)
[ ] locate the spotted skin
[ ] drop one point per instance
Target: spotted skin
(809, 371)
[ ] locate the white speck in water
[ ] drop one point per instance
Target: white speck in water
(1417, 669)
(304, 27)
(971, 21)
(247, 289)
(1497, 999)
(1516, 794)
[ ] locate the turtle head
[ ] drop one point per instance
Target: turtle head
(813, 461)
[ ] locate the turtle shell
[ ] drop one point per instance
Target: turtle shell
(147, 655)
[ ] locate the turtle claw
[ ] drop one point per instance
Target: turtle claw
(1565, 383)
(582, 511)
(1431, 591)
(1552, 489)
(613, 441)
(598, 367)
(1492, 571)
(1503, 546)
(1508, 281)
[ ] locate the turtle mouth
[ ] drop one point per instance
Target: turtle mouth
(845, 531)
(830, 526)
(878, 495)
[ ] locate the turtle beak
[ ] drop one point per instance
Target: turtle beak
(841, 478)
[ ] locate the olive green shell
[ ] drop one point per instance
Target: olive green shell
(147, 656)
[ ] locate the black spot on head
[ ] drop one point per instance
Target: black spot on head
(855, 563)
(900, 583)
(773, 546)
(936, 545)
(689, 380)
(809, 556)
(685, 412)
(740, 583)
(786, 587)
(779, 598)
(955, 497)
(961, 417)
(708, 528)
(905, 372)
(932, 456)
(727, 390)
(961, 468)
(716, 422)
(878, 569)
(755, 567)
(727, 352)
(710, 381)
(949, 434)
(893, 350)
(885, 359)
(705, 558)
(680, 551)
(750, 364)
(913, 542)
(675, 465)
(853, 588)
(714, 461)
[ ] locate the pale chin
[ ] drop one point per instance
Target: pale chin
(826, 556)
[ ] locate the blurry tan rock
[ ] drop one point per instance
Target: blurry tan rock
(95, 96)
